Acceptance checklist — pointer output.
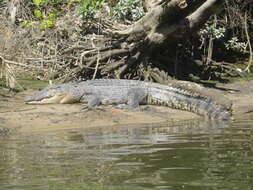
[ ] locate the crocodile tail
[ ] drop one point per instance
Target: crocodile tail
(204, 106)
(213, 110)
(186, 100)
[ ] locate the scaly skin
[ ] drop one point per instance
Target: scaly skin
(132, 92)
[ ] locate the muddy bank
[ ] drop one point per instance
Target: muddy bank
(14, 113)
(28, 118)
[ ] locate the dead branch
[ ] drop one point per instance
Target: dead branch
(115, 50)
(16, 63)
(247, 69)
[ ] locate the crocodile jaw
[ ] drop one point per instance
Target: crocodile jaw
(56, 99)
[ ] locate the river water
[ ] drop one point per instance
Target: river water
(182, 155)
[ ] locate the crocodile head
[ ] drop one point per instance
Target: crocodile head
(51, 95)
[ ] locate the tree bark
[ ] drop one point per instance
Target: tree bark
(13, 6)
(171, 20)
(166, 22)
(128, 53)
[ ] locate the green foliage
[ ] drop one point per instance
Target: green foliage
(235, 45)
(212, 31)
(45, 14)
(38, 3)
(37, 13)
(47, 23)
(128, 10)
(89, 9)
(47, 11)
(71, 2)
(28, 23)
(218, 33)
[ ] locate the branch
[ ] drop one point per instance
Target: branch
(202, 14)
(107, 55)
(16, 63)
(193, 22)
(161, 13)
(250, 48)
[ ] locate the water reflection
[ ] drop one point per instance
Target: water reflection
(190, 155)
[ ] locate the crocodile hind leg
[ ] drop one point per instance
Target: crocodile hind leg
(135, 97)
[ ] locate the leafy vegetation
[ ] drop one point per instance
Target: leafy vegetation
(235, 45)
(65, 24)
(128, 10)
(90, 9)
(211, 31)
(45, 14)
(124, 9)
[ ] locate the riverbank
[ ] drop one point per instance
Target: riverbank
(37, 118)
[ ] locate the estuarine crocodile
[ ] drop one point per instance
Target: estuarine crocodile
(132, 93)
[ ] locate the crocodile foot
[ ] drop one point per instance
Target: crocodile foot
(95, 108)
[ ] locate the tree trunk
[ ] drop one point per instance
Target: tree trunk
(165, 23)
(170, 21)
(127, 53)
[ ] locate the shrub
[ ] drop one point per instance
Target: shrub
(89, 9)
(128, 10)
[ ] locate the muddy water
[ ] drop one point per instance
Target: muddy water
(184, 155)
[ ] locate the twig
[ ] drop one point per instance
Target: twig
(96, 68)
(73, 48)
(227, 65)
(108, 55)
(210, 47)
(247, 69)
(15, 63)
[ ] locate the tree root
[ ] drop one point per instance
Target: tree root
(112, 50)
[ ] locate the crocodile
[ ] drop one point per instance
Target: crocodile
(132, 93)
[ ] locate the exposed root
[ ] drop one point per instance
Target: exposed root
(129, 63)
(107, 55)
(84, 49)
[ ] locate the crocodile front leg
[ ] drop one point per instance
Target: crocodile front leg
(94, 101)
